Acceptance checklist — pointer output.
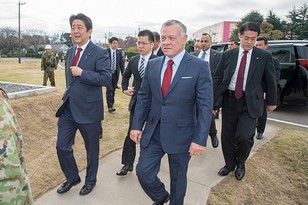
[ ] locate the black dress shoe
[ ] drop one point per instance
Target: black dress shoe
(259, 136)
(66, 186)
(224, 171)
(112, 109)
(215, 141)
(123, 171)
(87, 188)
(240, 171)
(166, 199)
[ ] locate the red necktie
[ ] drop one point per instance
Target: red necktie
(76, 58)
(240, 77)
(167, 78)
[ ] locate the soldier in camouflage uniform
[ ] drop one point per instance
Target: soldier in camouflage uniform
(14, 182)
(48, 66)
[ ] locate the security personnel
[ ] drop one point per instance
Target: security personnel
(48, 66)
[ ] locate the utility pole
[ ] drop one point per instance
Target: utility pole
(19, 38)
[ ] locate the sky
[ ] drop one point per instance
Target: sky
(125, 17)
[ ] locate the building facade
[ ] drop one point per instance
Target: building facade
(220, 32)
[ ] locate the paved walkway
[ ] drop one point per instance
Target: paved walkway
(114, 190)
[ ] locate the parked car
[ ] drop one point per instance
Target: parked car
(293, 59)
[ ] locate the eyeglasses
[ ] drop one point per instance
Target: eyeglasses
(142, 43)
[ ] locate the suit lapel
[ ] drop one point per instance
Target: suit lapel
(254, 61)
(86, 55)
(184, 65)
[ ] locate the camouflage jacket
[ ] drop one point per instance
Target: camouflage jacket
(14, 182)
(48, 62)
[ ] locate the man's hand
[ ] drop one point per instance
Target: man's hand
(129, 91)
(76, 71)
(196, 149)
(135, 135)
(271, 108)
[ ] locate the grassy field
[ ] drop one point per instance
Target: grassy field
(278, 174)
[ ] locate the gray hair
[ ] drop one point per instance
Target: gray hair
(172, 22)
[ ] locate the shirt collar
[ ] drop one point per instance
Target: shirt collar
(177, 59)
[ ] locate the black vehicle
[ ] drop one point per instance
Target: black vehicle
(293, 59)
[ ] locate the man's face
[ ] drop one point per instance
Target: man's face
(261, 44)
(197, 46)
(156, 44)
(232, 45)
(205, 42)
(48, 50)
(79, 33)
(248, 39)
(114, 45)
(144, 46)
(172, 42)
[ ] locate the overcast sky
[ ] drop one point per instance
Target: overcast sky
(124, 17)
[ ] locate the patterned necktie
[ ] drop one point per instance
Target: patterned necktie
(240, 77)
(167, 78)
(141, 67)
(203, 55)
(76, 58)
(113, 63)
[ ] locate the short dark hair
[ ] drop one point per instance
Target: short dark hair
(261, 38)
(87, 21)
(232, 40)
(156, 36)
(113, 39)
(147, 33)
(207, 34)
(249, 26)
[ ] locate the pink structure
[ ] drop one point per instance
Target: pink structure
(220, 32)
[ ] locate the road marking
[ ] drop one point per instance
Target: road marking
(289, 123)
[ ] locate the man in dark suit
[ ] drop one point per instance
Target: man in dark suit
(117, 66)
(241, 77)
(88, 69)
(212, 57)
(156, 48)
(174, 89)
(261, 121)
(136, 68)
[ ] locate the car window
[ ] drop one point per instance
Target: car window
(285, 54)
(302, 52)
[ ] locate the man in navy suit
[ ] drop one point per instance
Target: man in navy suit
(137, 63)
(156, 48)
(242, 76)
(212, 57)
(174, 89)
(87, 70)
(117, 66)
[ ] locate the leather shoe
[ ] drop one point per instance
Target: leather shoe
(87, 188)
(112, 109)
(123, 171)
(166, 199)
(259, 136)
(240, 171)
(215, 141)
(66, 186)
(224, 171)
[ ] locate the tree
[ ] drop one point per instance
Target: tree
(277, 23)
(8, 40)
(267, 31)
(298, 22)
(35, 37)
(254, 16)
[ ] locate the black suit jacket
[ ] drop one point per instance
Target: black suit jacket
(214, 59)
(132, 68)
(119, 62)
(160, 52)
(261, 77)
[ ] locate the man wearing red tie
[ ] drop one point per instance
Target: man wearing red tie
(174, 89)
(241, 77)
(87, 70)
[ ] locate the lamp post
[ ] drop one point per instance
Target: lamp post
(19, 38)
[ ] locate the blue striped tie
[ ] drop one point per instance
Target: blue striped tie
(141, 67)
(113, 63)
